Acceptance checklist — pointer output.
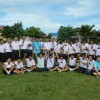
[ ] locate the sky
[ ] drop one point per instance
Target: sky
(49, 15)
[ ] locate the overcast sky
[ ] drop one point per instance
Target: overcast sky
(49, 15)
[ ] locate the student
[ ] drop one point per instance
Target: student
(15, 48)
(72, 63)
(19, 67)
(50, 62)
(40, 63)
(8, 49)
(97, 67)
(90, 67)
(8, 67)
(30, 64)
(2, 51)
(98, 49)
(61, 65)
(23, 46)
(82, 64)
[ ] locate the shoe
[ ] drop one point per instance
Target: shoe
(71, 69)
(59, 71)
(97, 77)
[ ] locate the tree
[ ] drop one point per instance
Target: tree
(12, 31)
(34, 32)
(65, 32)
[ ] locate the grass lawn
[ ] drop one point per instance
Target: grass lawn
(49, 86)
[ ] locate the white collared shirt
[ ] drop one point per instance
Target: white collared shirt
(29, 45)
(85, 46)
(47, 45)
(8, 47)
(90, 64)
(2, 48)
(19, 65)
(61, 63)
(57, 48)
(71, 49)
(72, 62)
(92, 47)
(24, 44)
(98, 50)
(30, 63)
(8, 65)
(77, 47)
(50, 62)
(65, 47)
(15, 45)
(84, 60)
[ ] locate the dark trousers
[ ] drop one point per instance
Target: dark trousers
(15, 54)
(23, 52)
(9, 55)
(29, 53)
(2, 57)
(81, 70)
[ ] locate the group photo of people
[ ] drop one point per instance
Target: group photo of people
(41, 55)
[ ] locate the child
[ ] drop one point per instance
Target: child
(50, 62)
(82, 64)
(97, 67)
(19, 68)
(90, 63)
(40, 62)
(8, 67)
(72, 63)
(61, 65)
(30, 64)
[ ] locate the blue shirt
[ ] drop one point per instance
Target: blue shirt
(36, 47)
(97, 65)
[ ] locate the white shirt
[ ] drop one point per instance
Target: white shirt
(77, 47)
(30, 63)
(92, 47)
(57, 48)
(81, 64)
(85, 46)
(8, 47)
(40, 62)
(29, 45)
(15, 45)
(47, 45)
(8, 65)
(61, 63)
(53, 44)
(98, 50)
(50, 62)
(2, 48)
(72, 62)
(24, 44)
(19, 65)
(71, 49)
(90, 64)
(65, 47)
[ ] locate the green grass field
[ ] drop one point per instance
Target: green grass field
(49, 86)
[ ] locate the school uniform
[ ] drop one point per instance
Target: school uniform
(57, 48)
(98, 50)
(72, 62)
(97, 65)
(53, 44)
(30, 63)
(18, 66)
(71, 49)
(61, 63)
(24, 46)
(77, 48)
(8, 67)
(92, 47)
(29, 48)
(85, 48)
(2, 53)
(15, 49)
(90, 66)
(8, 50)
(50, 63)
(82, 67)
(47, 46)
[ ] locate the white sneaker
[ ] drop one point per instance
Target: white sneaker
(97, 77)
(71, 69)
(8, 72)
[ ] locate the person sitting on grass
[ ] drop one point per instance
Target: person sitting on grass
(97, 67)
(72, 63)
(8, 67)
(19, 67)
(90, 68)
(50, 62)
(40, 63)
(30, 64)
(82, 64)
(61, 65)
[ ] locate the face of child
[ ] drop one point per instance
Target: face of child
(9, 60)
(90, 57)
(19, 60)
(72, 56)
(98, 59)
(40, 55)
(61, 58)
(30, 58)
